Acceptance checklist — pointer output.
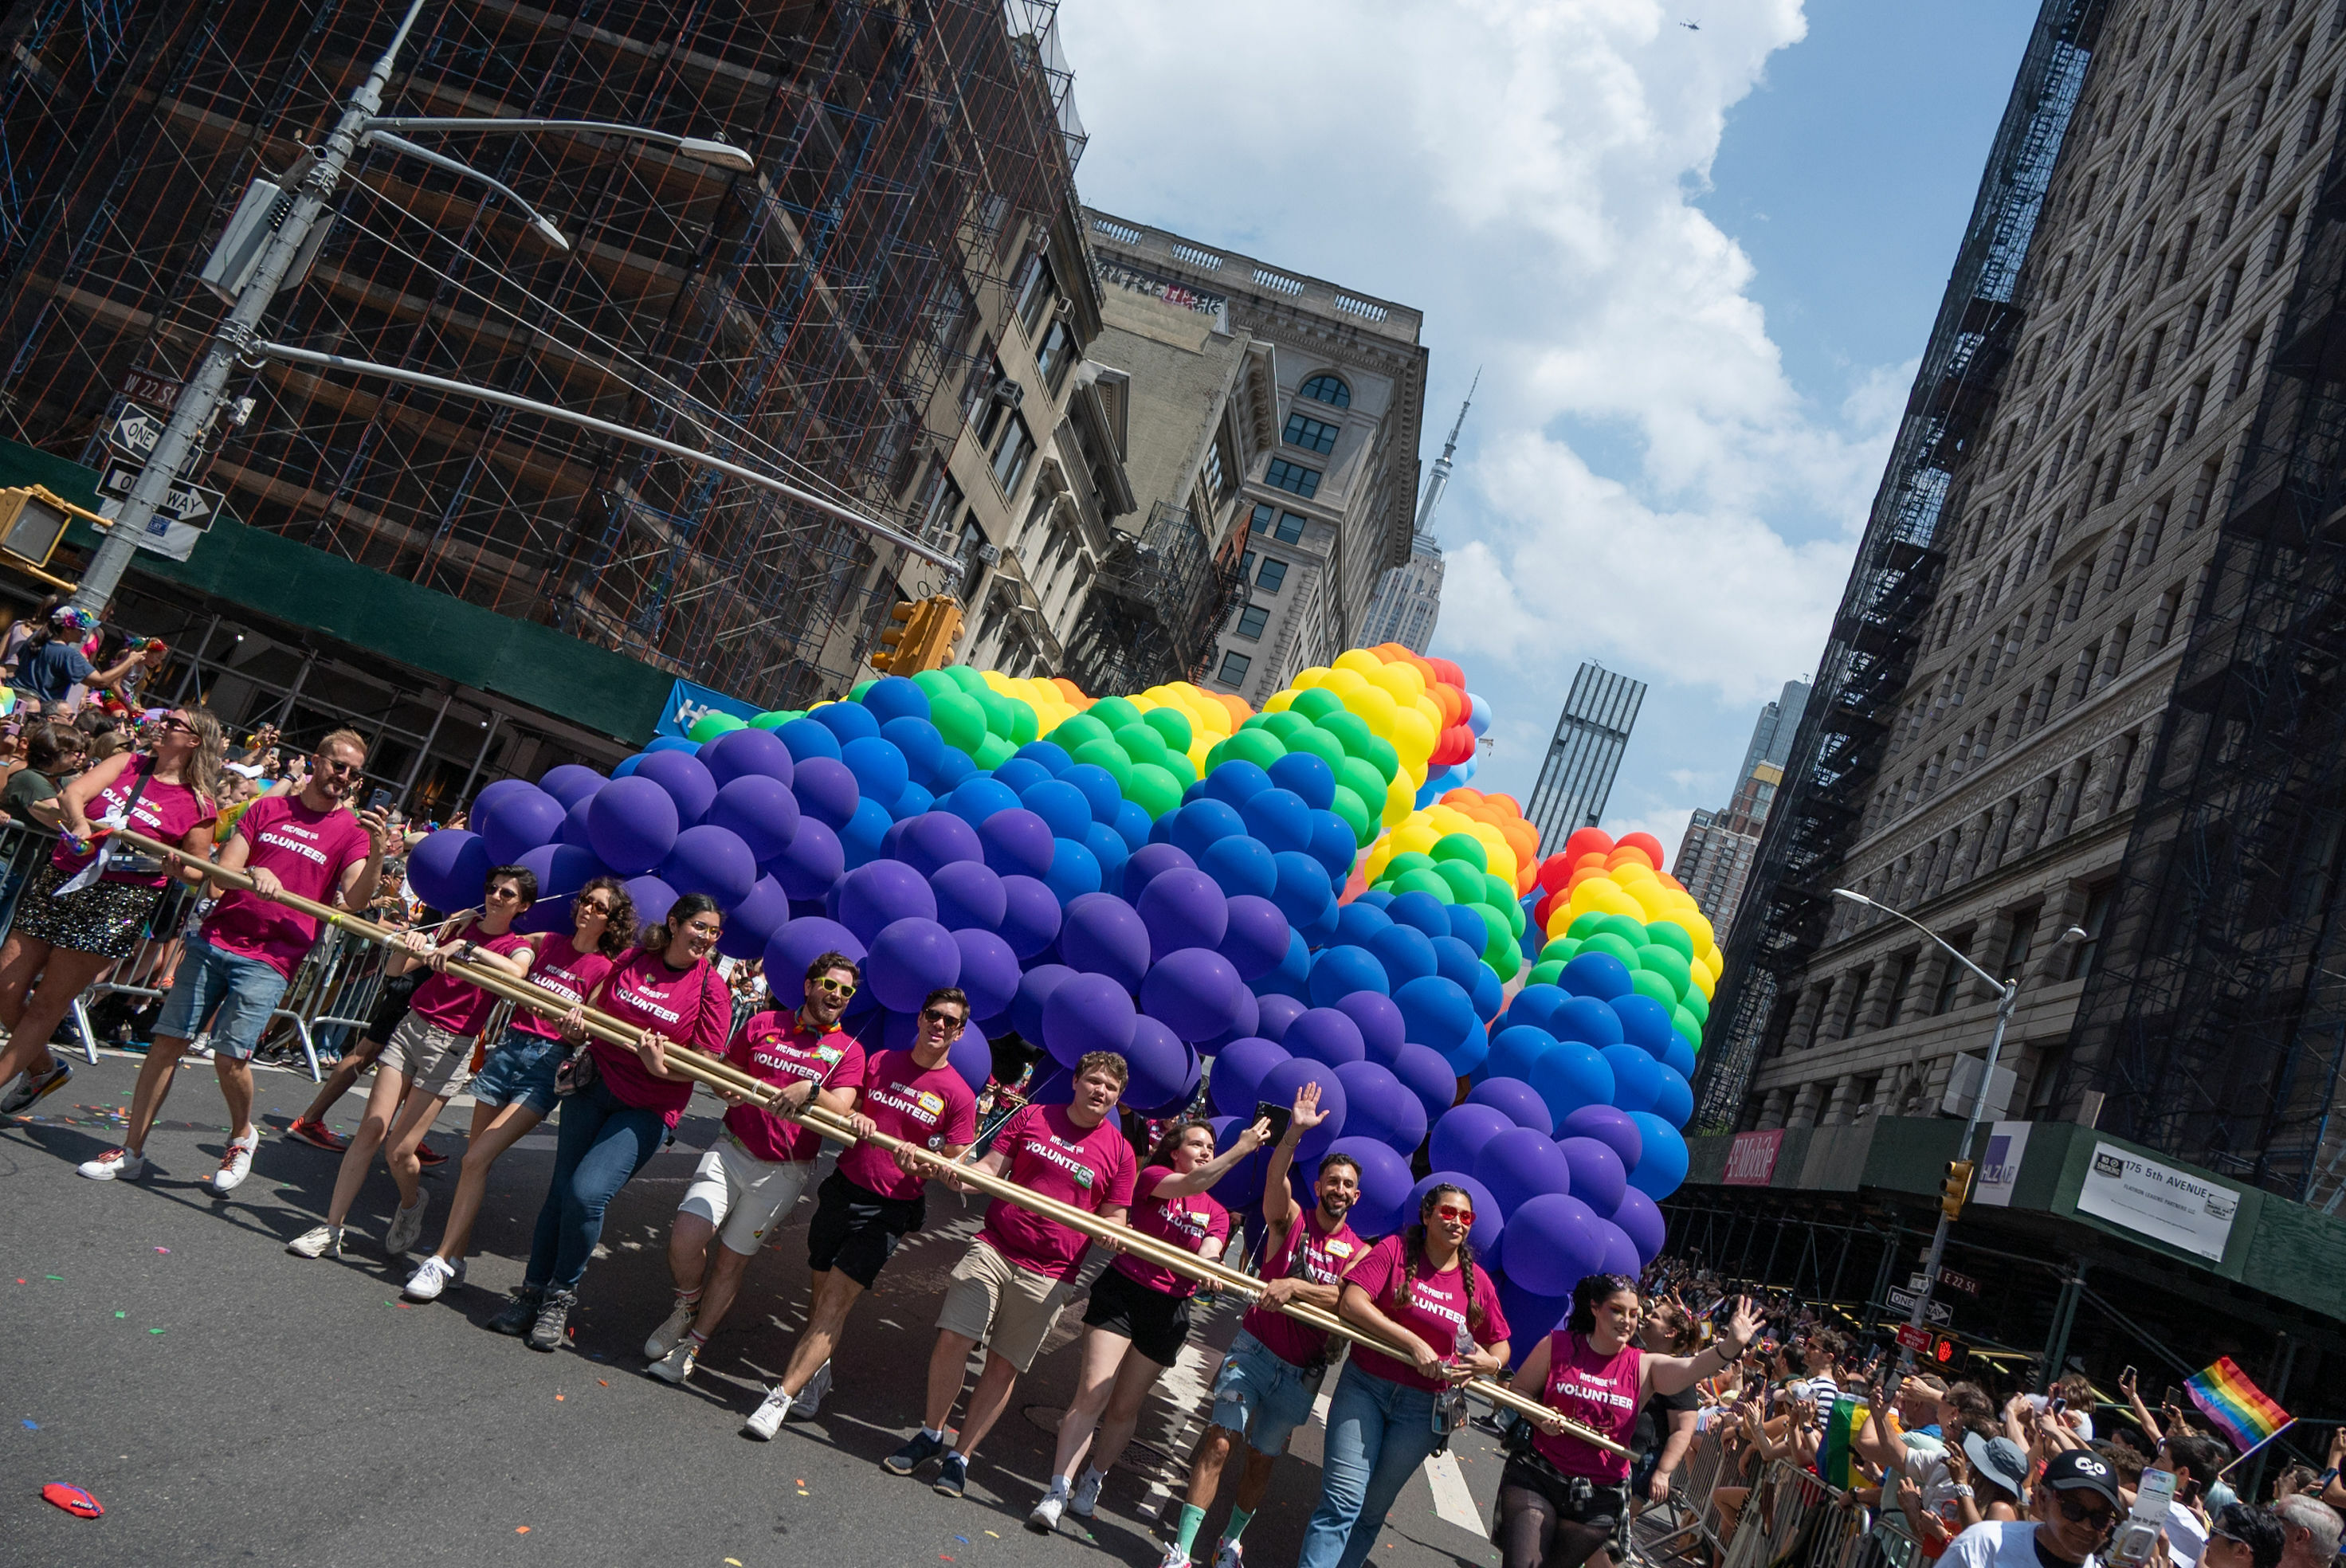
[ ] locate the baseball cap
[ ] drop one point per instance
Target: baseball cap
(2077, 1470)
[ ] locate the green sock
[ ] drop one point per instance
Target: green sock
(1185, 1537)
(1239, 1517)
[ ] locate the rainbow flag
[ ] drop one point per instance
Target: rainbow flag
(2241, 1411)
(1834, 1465)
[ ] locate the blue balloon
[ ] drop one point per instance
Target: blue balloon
(1234, 783)
(847, 720)
(1679, 1058)
(1338, 972)
(1061, 805)
(1098, 786)
(861, 835)
(1017, 841)
(1637, 1078)
(669, 743)
(953, 768)
(1358, 921)
(1515, 1050)
(1675, 1103)
(1048, 755)
(1030, 917)
(1487, 994)
(880, 771)
(1241, 864)
(1376, 899)
(970, 896)
(894, 697)
(1333, 846)
(1531, 1318)
(1075, 870)
(1597, 974)
(1421, 910)
(1256, 939)
(1645, 1024)
(1019, 775)
(1456, 962)
(1202, 822)
(1571, 1076)
(1466, 1057)
(976, 798)
(1586, 1018)
(629, 765)
(914, 802)
(1132, 824)
(1109, 849)
(1661, 1168)
(1309, 777)
(1469, 928)
(1436, 1012)
(1536, 1006)
(807, 738)
(1319, 930)
(1279, 819)
(1405, 951)
(1160, 831)
(1301, 889)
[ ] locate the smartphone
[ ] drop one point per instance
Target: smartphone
(1278, 1116)
(2174, 1396)
(2126, 1375)
(2058, 1403)
(379, 800)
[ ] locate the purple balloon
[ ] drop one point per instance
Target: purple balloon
(1518, 1100)
(1608, 1126)
(969, 895)
(574, 825)
(1241, 1185)
(826, 791)
(518, 822)
(1530, 1318)
(1325, 1034)
(1017, 843)
(631, 824)
(1034, 988)
(1102, 935)
(1620, 1252)
(448, 868)
(744, 753)
(1276, 1014)
(1377, 1106)
(1425, 1075)
(653, 899)
(973, 1057)
(1150, 861)
(759, 810)
(486, 800)
(1460, 1132)
(1520, 1165)
(875, 896)
(1247, 1021)
(686, 781)
(989, 972)
(1598, 1176)
(561, 871)
(752, 923)
(1256, 938)
(570, 783)
(935, 840)
(1279, 1086)
(1238, 1071)
(711, 859)
(1182, 908)
(813, 863)
(1193, 992)
(909, 959)
(1086, 1012)
(1379, 1022)
(1030, 917)
(1162, 1068)
(1384, 1185)
(798, 944)
(1552, 1243)
(1643, 1224)
(1488, 1224)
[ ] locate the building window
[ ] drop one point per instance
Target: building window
(1039, 294)
(1271, 575)
(1294, 476)
(1013, 446)
(2017, 945)
(1055, 355)
(1284, 527)
(1952, 981)
(1901, 978)
(1304, 431)
(1213, 473)
(972, 540)
(1246, 566)
(1235, 665)
(1330, 390)
(1251, 622)
(2097, 915)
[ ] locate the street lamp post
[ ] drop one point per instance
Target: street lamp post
(2007, 995)
(199, 400)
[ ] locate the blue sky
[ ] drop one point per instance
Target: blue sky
(1697, 267)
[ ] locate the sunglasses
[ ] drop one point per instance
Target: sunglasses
(174, 727)
(1457, 1214)
(339, 769)
(504, 893)
(2099, 1518)
(595, 906)
(938, 1015)
(837, 987)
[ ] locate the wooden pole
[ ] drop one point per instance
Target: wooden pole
(717, 1073)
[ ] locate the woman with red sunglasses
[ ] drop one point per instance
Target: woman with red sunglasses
(1423, 1290)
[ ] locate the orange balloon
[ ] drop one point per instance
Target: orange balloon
(1627, 854)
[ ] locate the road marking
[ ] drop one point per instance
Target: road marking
(1450, 1498)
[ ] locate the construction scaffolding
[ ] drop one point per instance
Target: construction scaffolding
(2214, 1026)
(1157, 602)
(817, 318)
(1787, 904)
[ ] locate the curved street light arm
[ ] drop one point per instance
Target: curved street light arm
(1954, 953)
(701, 150)
(400, 145)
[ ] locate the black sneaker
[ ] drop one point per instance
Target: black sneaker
(953, 1477)
(519, 1312)
(553, 1320)
(914, 1454)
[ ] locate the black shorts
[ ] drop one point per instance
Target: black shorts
(1157, 1324)
(1576, 1500)
(392, 1001)
(855, 1230)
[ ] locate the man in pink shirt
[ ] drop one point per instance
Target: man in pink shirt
(1008, 1289)
(234, 971)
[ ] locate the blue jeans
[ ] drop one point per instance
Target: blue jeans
(233, 993)
(1378, 1432)
(602, 1142)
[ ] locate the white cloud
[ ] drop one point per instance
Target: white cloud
(1643, 485)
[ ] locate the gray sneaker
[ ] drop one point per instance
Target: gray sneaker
(323, 1241)
(407, 1227)
(29, 1088)
(552, 1327)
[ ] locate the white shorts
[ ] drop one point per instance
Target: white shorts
(743, 1196)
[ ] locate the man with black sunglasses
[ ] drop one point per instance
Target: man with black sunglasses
(2073, 1510)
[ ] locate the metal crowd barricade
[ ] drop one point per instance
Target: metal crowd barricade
(1706, 1467)
(1792, 1519)
(336, 989)
(24, 845)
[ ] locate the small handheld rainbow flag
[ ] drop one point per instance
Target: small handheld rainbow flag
(2241, 1411)
(1842, 1427)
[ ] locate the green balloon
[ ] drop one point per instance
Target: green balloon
(993, 752)
(1351, 731)
(936, 683)
(1561, 950)
(1355, 813)
(1670, 934)
(855, 693)
(1142, 744)
(1170, 723)
(1499, 895)
(958, 718)
(1546, 971)
(773, 720)
(1362, 780)
(709, 725)
(1311, 737)
(1107, 754)
(1424, 880)
(1464, 881)
(1697, 1003)
(1153, 789)
(1115, 712)
(1077, 731)
(1463, 847)
(1260, 746)
(1670, 964)
(1408, 860)
(968, 679)
(1645, 982)
(1316, 704)
(1506, 961)
(1688, 1029)
(1023, 724)
(1177, 764)
(1586, 923)
(1629, 931)
(1496, 931)
(1379, 754)
(1606, 942)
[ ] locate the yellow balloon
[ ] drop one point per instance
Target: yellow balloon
(1400, 799)
(1703, 980)
(1399, 682)
(1344, 683)
(1375, 707)
(1359, 660)
(1414, 735)
(1316, 676)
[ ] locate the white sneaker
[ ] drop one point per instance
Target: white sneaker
(1175, 1558)
(16, 1093)
(1226, 1555)
(1046, 1517)
(115, 1164)
(671, 1333)
(433, 1275)
(1086, 1494)
(236, 1165)
(200, 1046)
(406, 1226)
(766, 1419)
(810, 1398)
(324, 1241)
(676, 1365)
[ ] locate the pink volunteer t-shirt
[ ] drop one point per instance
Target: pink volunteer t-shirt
(1596, 1390)
(1189, 1223)
(1435, 1312)
(934, 1107)
(775, 1048)
(308, 851)
(688, 1006)
(451, 1002)
(168, 812)
(1091, 1167)
(566, 972)
(1306, 1254)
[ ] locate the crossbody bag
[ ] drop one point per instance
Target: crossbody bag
(578, 1071)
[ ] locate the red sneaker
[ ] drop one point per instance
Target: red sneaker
(318, 1136)
(428, 1157)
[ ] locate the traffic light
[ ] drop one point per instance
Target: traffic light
(1947, 1353)
(1955, 1188)
(921, 635)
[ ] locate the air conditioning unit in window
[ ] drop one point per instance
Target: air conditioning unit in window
(989, 553)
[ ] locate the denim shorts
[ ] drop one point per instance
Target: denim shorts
(1263, 1396)
(520, 1071)
(234, 994)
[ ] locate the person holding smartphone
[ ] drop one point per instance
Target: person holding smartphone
(2076, 1508)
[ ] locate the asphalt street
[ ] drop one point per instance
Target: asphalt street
(228, 1402)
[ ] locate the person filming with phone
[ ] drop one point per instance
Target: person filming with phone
(2075, 1509)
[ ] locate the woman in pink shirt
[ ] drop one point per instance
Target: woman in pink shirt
(1561, 1498)
(1138, 1318)
(513, 1090)
(71, 939)
(669, 991)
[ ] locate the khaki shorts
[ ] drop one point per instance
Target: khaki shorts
(744, 1197)
(436, 1061)
(1008, 1308)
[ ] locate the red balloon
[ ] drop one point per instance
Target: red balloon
(1587, 841)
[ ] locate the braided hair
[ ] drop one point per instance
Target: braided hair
(1415, 1263)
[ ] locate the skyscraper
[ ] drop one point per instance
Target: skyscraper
(1720, 847)
(1576, 776)
(1408, 599)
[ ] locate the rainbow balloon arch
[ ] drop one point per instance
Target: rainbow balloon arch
(1252, 901)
